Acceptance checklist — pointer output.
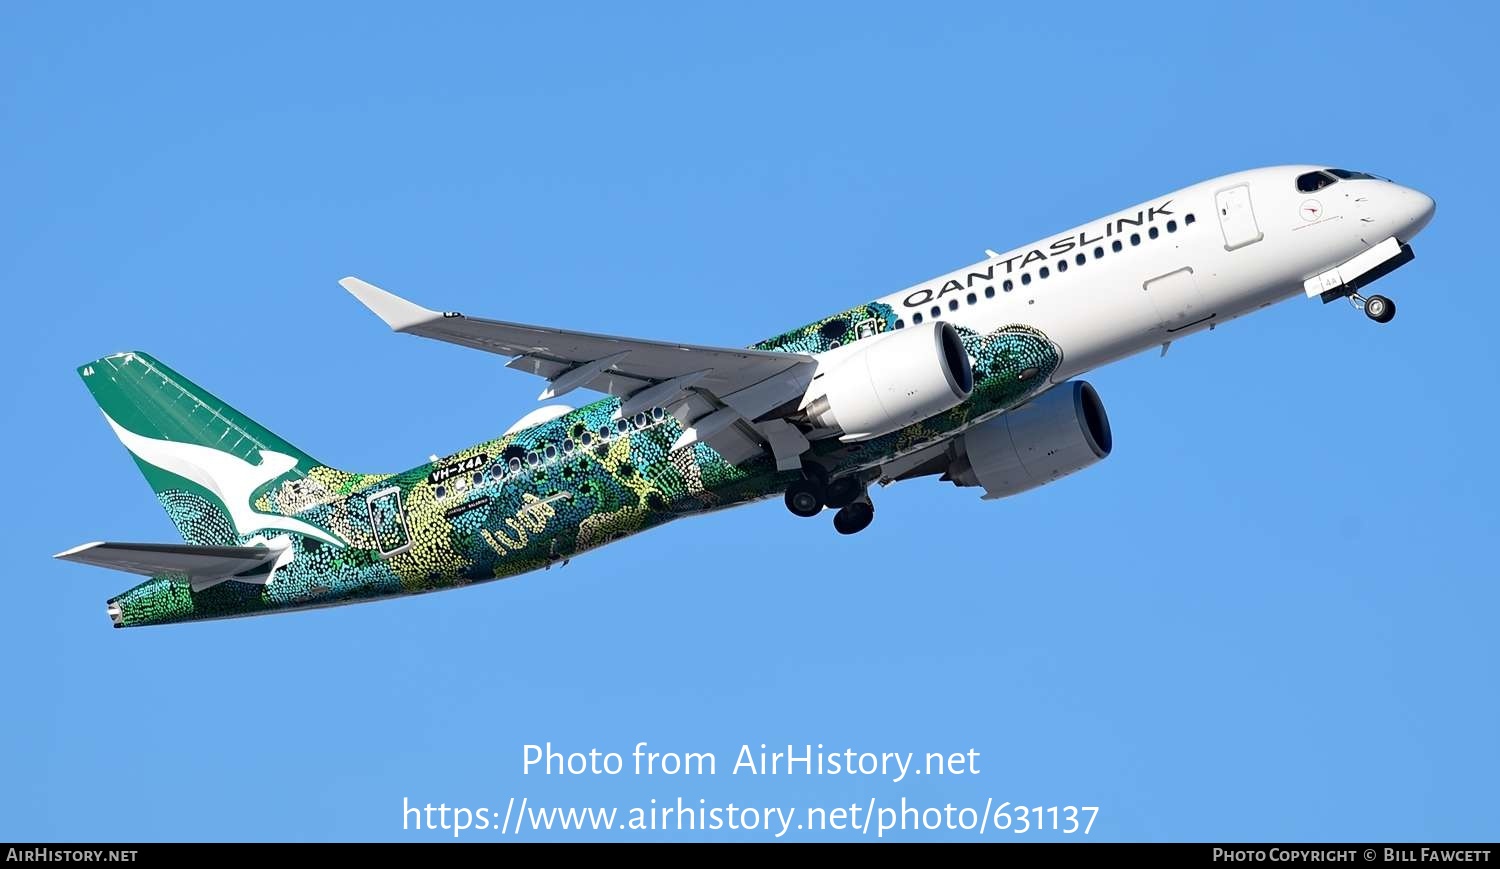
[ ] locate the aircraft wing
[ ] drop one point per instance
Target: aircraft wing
(202, 566)
(721, 386)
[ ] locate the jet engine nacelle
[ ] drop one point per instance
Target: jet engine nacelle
(1062, 431)
(898, 379)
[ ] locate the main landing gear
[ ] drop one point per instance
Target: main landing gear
(854, 517)
(1377, 308)
(805, 497)
(808, 496)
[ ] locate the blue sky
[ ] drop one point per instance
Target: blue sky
(1269, 615)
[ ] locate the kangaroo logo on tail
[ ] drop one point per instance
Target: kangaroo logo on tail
(231, 479)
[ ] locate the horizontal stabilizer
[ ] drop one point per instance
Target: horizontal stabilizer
(201, 566)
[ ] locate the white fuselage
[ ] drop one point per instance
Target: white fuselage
(1186, 261)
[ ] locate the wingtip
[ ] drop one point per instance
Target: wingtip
(398, 313)
(68, 553)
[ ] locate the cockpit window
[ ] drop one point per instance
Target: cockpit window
(1354, 176)
(1314, 181)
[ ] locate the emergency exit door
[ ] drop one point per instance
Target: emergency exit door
(1237, 217)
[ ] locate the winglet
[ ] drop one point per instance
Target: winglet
(397, 312)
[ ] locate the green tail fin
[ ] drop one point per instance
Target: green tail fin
(212, 467)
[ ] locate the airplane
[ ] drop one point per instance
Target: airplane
(971, 377)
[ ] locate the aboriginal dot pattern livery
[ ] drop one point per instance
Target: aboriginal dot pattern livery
(523, 501)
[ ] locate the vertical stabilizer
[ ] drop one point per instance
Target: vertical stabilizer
(211, 466)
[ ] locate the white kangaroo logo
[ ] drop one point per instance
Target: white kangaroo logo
(231, 478)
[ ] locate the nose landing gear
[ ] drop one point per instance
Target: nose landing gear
(1380, 309)
(1377, 308)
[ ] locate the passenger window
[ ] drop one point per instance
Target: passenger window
(1080, 259)
(900, 324)
(567, 446)
(916, 319)
(937, 311)
(1098, 253)
(658, 413)
(1171, 226)
(640, 420)
(1153, 232)
(478, 478)
(1042, 272)
(622, 426)
(586, 438)
(1009, 286)
(439, 492)
(515, 465)
(953, 304)
(1188, 221)
(973, 298)
(1135, 238)
(1025, 279)
(989, 292)
(1062, 265)
(1116, 246)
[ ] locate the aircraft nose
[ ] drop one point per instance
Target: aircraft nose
(1416, 209)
